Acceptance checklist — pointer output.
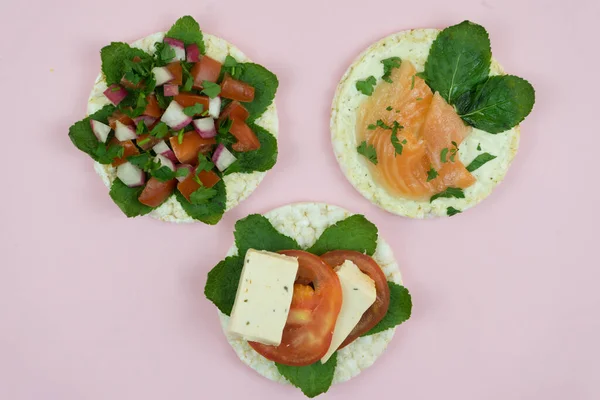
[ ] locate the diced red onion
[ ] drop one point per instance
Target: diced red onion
(189, 168)
(177, 46)
(131, 175)
(214, 107)
(100, 130)
(124, 132)
(162, 75)
(148, 120)
(174, 116)
(115, 93)
(192, 52)
(205, 127)
(171, 89)
(223, 158)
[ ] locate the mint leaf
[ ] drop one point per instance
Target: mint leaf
(458, 60)
(366, 86)
(211, 89)
(222, 283)
(188, 31)
(399, 310)
(256, 232)
(452, 211)
(231, 67)
(353, 233)
(127, 199)
(449, 193)
(265, 85)
(209, 213)
(262, 159)
(431, 174)
(497, 104)
(388, 65)
(313, 379)
(81, 133)
(202, 195)
(368, 151)
(114, 60)
(107, 153)
(193, 110)
(479, 161)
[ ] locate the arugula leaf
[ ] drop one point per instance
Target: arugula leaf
(313, 379)
(222, 283)
(262, 159)
(449, 193)
(114, 57)
(399, 310)
(459, 59)
(188, 31)
(256, 232)
(265, 85)
(202, 195)
(209, 213)
(452, 211)
(82, 135)
(353, 233)
(107, 153)
(211, 89)
(479, 161)
(498, 104)
(431, 174)
(193, 110)
(388, 65)
(368, 151)
(127, 199)
(366, 86)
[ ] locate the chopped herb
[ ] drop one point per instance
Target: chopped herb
(223, 136)
(389, 108)
(388, 65)
(193, 110)
(412, 82)
(443, 155)
(431, 174)
(419, 98)
(366, 86)
(479, 146)
(230, 61)
(211, 89)
(187, 86)
(180, 136)
(449, 193)
(167, 53)
(182, 173)
(143, 141)
(247, 322)
(285, 288)
(355, 289)
(163, 173)
(197, 179)
(368, 151)
(160, 130)
(479, 161)
(398, 146)
(204, 164)
(452, 211)
(115, 88)
(106, 155)
(379, 124)
(202, 195)
(141, 127)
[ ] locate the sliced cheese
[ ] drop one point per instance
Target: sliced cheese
(358, 294)
(263, 298)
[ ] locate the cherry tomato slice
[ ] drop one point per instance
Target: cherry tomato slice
(368, 266)
(122, 118)
(236, 90)
(156, 192)
(307, 339)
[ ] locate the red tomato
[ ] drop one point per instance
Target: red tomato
(189, 99)
(307, 334)
(368, 266)
(152, 108)
(247, 140)
(207, 69)
(191, 145)
(234, 110)
(189, 184)
(156, 192)
(177, 71)
(236, 90)
(130, 150)
(119, 116)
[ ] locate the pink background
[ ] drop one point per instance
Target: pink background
(95, 306)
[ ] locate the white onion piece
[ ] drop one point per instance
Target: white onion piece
(130, 175)
(174, 116)
(162, 75)
(205, 127)
(223, 158)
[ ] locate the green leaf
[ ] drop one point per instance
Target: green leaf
(265, 85)
(81, 133)
(431, 174)
(107, 153)
(256, 232)
(449, 193)
(160, 130)
(366, 86)
(479, 161)
(262, 159)
(164, 53)
(498, 104)
(209, 213)
(452, 211)
(231, 67)
(353, 233)
(388, 65)
(114, 57)
(222, 283)
(368, 151)
(188, 31)
(193, 110)
(127, 199)
(399, 310)
(313, 379)
(398, 145)
(204, 163)
(211, 89)
(458, 60)
(163, 173)
(143, 161)
(202, 195)
(444, 154)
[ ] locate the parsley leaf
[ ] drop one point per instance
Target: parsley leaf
(107, 153)
(366, 86)
(222, 283)
(353, 233)
(368, 151)
(81, 133)
(388, 65)
(164, 53)
(449, 193)
(431, 174)
(211, 89)
(389, 108)
(209, 213)
(479, 161)
(479, 146)
(160, 130)
(143, 161)
(127, 199)
(398, 146)
(193, 110)
(204, 164)
(399, 310)
(163, 173)
(443, 155)
(379, 124)
(188, 31)
(452, 211)
(202, 195)
(256, 232)
(313, 379)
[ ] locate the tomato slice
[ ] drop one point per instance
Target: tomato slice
(368, 266)
(247, 140)
(156, 192)
(307, 334)
(129, 150)
(191, 145)
(189, 184)
(177, 71)
(234, 110)
(190, 99)
(122, 118)
(236, 90)
(152, 108)
(207, 69)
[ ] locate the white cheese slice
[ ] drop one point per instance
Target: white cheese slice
(358, 294)
(263, 298)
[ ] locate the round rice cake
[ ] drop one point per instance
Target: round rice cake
(412, 45)
(305, 222)
(239, 185)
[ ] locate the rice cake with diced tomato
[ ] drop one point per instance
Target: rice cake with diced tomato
(413, 46)
(305, 222)
(239, 186)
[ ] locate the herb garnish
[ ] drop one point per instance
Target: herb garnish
(366, 86)
(449, 193)
(368, 151)
(452, 211)
(479, 161)
(388, 65)
(211, 89)
(431, 174)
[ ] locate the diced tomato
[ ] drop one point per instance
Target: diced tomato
(119, 116)
(130, 150)
(189, 99)
(234, 110)
(189, 184)
(247, 140)
(207, 69)
(177, 71)
(152, 109)
(191, 145)
(144, 143)
(236, 90)
(156, 192)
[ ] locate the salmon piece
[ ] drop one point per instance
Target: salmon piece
(236, 90)
(130, 150)
(189, 185)
(122, 118)
(207, 69)
(156, 192)
(177, 71)
(190, 99)
(191, 145)
(234, 110)
(152, 108)
(246, 139)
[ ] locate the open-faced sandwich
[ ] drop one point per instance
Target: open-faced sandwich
(308, 295)
(425, 122)
(181, 124)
